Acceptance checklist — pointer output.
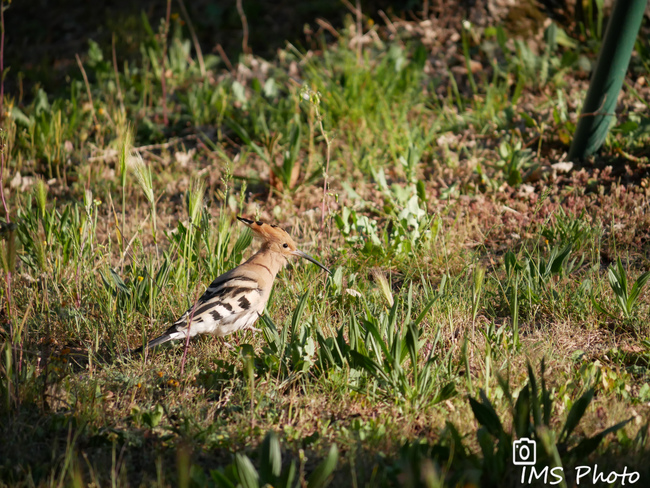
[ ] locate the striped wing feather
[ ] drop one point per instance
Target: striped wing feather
(230, 303)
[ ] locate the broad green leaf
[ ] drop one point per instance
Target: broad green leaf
(637, 288)
(297, 313)
(576, 413)
(370, 366)
(446, 392)
(600, 308)
(271, 335)
(153, 418)
(286, 481)
(21, 118)
(118, 281)
(487, 417)
(411, 340)
(243, 135)
(246, 472)
(270, 457)
(534, 397)
(425, 310)
(354, 333)
(622, 277)
(221, 480)
(505, 387)
(521, 414)
(556, 265)
(319, 477)
(372, 328)
(589, 445)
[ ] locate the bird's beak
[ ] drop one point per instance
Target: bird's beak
(309, 258)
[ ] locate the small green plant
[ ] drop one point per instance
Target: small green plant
(143, 286)
(478, 277)
(288, 170)
(568, 228)
(390, 354)
(68, 232)
(450, 463)
(409, 228)
(515, 161)
(271, 471)
(626, 299)
(591, 17)
(531, 418)
(530, 281)
(360, 229)
(293, 350)
(538, 272)
(45, 127)
(186, 238)
(205, 104)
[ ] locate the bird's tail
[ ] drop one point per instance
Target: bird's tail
(153, 343)
(159, 340)
(170, 334)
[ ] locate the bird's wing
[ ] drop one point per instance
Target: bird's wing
(226, 299)
(231, 302)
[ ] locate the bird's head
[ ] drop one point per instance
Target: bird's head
(277, 240)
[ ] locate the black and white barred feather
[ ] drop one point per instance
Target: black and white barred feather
(235, 300)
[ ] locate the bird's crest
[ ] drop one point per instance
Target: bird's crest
(269, 232)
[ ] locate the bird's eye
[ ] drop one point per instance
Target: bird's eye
(285, 245)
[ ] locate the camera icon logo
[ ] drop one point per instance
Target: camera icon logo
(524, 452)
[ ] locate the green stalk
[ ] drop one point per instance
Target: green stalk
(124, 153)
(468, 65)
(607, 79)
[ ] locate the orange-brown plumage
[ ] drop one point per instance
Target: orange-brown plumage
(236, 299)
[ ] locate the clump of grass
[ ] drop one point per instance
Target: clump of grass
(626, 298)
(142, 173)
(126, 141)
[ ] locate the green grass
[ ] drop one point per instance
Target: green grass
(478, 294)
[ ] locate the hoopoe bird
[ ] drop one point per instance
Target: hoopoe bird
(236, 299)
